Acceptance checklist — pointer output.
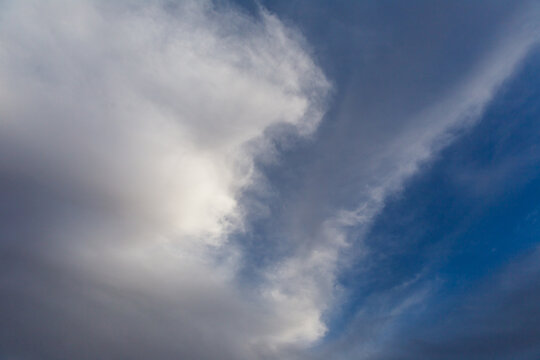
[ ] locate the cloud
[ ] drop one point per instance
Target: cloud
(125, 132)
(130, 134)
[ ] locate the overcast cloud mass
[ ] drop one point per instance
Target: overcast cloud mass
(273, 179)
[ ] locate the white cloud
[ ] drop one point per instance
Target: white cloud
(139, 114)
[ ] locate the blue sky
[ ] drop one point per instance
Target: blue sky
(298, 180)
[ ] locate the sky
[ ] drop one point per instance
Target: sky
(270, 179)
